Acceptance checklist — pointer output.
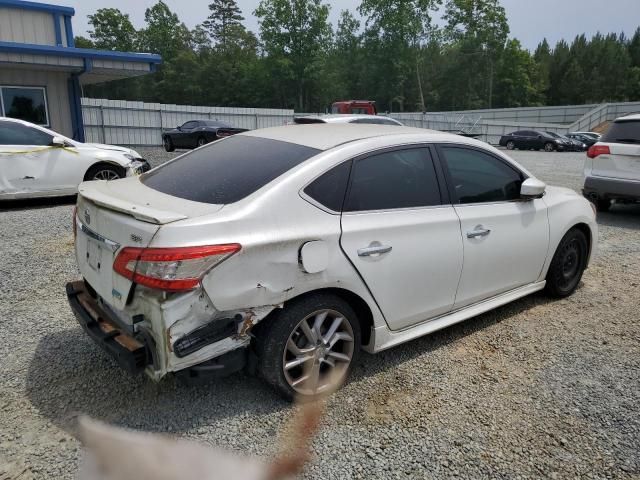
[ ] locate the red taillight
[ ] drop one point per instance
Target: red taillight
(171, 269)
(596, 150)
(74, 222)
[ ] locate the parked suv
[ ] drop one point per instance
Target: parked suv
(612, 169)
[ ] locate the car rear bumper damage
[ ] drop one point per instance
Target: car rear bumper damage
(195, 347)
(611, 188)
(131, 354)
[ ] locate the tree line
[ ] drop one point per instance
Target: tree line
(396, 55)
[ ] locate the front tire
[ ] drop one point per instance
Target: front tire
(549, 147)
(568, 264)
(168, 144)
(306, 347)
(104, 172)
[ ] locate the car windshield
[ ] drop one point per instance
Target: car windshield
(553, 134)
(627, 131)
(228, 170)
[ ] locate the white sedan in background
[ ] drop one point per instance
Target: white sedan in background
(293, 248)
(37, 162)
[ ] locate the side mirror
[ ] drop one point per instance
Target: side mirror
(532, 188)
(58, 142)
(539, 137)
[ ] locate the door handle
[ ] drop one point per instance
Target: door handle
(478, 232)
(374, 250)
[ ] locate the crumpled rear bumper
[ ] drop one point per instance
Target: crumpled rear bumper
(132, 354)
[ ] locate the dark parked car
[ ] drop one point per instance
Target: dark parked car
(581, 137)
(534, 140)
(196, 133)
(572, 145)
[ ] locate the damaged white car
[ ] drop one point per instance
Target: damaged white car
(38, 162)
(291, 249)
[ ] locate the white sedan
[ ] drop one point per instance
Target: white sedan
(37, 162)
(293, 248)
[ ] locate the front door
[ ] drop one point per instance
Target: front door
(505, 239)
(401, 237)
(24, 155)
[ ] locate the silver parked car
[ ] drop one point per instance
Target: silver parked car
(293, 248)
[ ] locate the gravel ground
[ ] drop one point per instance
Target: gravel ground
(537, 388)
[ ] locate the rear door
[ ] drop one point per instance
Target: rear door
(623, 139)
(402, 235)
(505, 239)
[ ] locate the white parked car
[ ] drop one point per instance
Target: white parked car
(37, 162)
(347, 118)
(292, 248)
(612, 168)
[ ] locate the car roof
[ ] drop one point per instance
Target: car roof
(340, 118)
(324, 136)
(635, 116)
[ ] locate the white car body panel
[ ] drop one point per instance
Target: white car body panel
(623, 163)
(275, 222)
(519, 235)
(28, 171)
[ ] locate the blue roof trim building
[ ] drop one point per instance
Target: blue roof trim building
(42, 7)
(38, 53)
(28, 48)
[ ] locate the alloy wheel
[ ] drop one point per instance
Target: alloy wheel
(321, 345)
(106, 174)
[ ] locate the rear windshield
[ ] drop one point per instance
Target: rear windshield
(623, 132)
(228, 170)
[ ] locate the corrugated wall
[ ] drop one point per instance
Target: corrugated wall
(27, 26)
(137, 123)
(57, 93)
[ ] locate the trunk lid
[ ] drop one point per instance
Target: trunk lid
(622, 163)
(118, 214)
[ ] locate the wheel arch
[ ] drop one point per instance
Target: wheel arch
(360, 306)
(107, 163)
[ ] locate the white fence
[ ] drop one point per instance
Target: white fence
(120, 122)
(137, 123)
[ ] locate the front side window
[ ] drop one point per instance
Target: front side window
(478, 177)
(228, 170)
(12, 133)
(395, 179)
(189, 125)
(24, 103)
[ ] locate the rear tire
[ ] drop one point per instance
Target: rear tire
(202, 141)
(104, 171)
(168, 144)
(282, 341)
(568, 264)
(511, 145)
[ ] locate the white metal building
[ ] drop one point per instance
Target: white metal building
(41, 71)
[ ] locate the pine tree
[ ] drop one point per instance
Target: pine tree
(224, 21)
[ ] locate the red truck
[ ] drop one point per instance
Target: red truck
(358, 107)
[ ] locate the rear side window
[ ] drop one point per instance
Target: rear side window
(396, 179)
(329, 189)
(478, 177)
(228, 170)
(623, 132)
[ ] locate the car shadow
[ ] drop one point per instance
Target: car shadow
(621, 216)
(85, 381)
(34, 203)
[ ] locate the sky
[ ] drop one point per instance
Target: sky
(529, 20)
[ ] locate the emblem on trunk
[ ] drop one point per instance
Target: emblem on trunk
(136, 238)
(87, 216)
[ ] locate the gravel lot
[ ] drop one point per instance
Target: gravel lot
(538, 388)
